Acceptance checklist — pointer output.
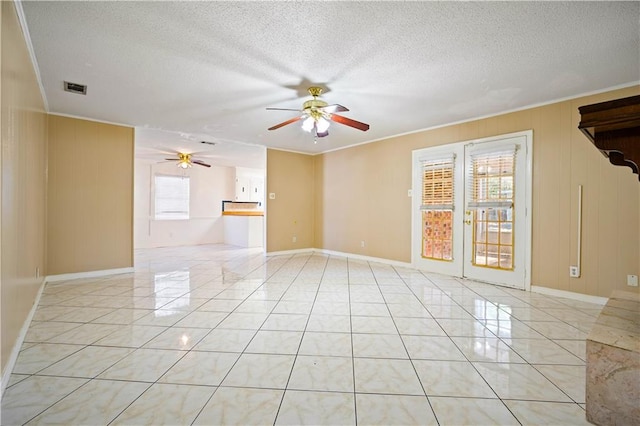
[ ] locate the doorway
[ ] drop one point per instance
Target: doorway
(183, 206)
(471, 209)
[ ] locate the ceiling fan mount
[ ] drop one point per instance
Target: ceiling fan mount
(317, 115)
(315, 91)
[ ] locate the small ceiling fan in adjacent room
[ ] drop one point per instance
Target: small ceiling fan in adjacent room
(317, 116)
(185, 161)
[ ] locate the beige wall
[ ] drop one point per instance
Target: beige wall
(291, 177)
(90, 196)
(24, 149)
(362, 196)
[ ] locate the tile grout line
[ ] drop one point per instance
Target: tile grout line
(135, 349)
(250, 340)
(458, 297)
(284, 392)
(353, 358)
(513, 349)
(402, 340)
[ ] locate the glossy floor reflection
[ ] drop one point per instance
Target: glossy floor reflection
(217, 335)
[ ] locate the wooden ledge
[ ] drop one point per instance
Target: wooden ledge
(614, 128)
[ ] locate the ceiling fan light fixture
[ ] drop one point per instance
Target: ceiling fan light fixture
(184, 164)
(322, 125)
(307, 124)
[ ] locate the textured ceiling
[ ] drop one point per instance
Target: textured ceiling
(211, 68)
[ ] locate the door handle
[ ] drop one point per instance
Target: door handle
(468, 220)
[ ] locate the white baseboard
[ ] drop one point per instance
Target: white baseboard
(287, 252)
(8, 368)
(89, 274)
(365, 258)
(569, 295)
(342, 254)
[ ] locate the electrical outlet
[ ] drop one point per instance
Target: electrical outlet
(272, 195)
(574, 271)
(361, 243)
(294, 239)
(409, 192)
(632, 280)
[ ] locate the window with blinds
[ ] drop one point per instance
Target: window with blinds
(171, 197)
(437, 209)
(491, 199)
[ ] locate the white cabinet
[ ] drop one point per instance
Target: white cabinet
(249, 188)
(243, 186)
(256, 186)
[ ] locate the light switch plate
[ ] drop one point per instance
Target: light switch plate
(632, 280)
(272, 195)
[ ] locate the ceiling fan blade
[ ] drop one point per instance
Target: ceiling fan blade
(293, 120)
(334, 108)
(200, 163)
(349, 122)
(281, 109)
(172, 159)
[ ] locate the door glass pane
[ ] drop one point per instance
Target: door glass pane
(480, 257)
(437, 209)
(493, 238)
(480, 223)
(437, 235)
(506, 258)
(492, 187)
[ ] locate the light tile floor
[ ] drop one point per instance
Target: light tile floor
(217, 335)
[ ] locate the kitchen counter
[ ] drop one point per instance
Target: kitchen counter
(242, 213)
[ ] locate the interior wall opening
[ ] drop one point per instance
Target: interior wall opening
(191, 190)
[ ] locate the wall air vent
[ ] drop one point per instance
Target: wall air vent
(208, 143)
(79, 89)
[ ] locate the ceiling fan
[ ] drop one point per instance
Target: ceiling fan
(317, 115)
(185, 161)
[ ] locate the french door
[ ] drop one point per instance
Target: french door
(470, 209)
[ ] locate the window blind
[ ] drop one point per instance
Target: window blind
(437, 184)
(171, 197)
(491, 179)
